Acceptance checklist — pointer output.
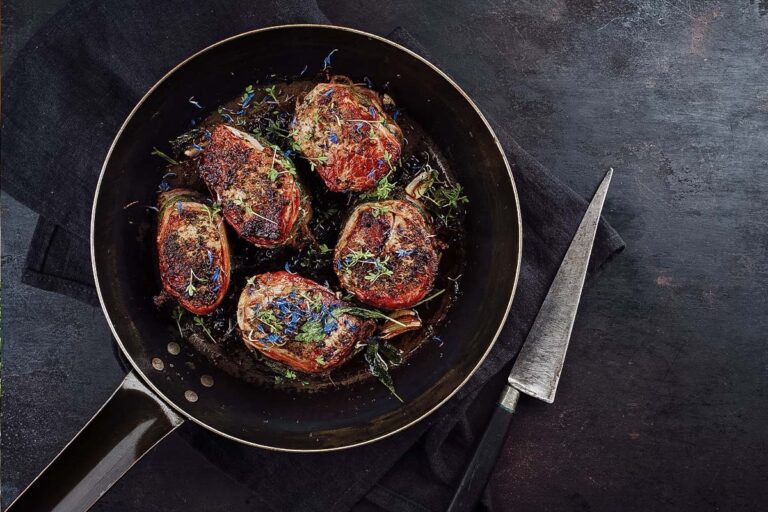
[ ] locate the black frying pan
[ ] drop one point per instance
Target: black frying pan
(151, 403)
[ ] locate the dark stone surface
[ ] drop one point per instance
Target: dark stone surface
(662, 402)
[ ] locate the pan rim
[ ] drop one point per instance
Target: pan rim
(171, 403)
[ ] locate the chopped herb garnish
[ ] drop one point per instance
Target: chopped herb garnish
(375, 353)
(383, 189)
(248, 91)
(322, 159)
(177, 314)
(248, 95)
(355, 257)
(191, 289)
(272, 92)
(213, 210)
(378, 210)
(380, 269)
(269, 319)
(427, 299)
(311, 331)
(157, 152)
(201, 323)
(365, 313)
(388, 159)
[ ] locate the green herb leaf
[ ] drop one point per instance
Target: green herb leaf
(157, 152)
(272, 92)
(269, 319)
(213, 210)
(177, 314)
(378, 210)
(200, 322)
(365, 313)
(383, 189)
(378, 366)
(311, 332)
(248, 91)
(380, 269)
(436, 294)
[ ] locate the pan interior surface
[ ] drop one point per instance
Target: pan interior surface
(124, 259)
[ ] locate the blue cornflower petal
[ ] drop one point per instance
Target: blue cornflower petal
(333, 138)
(288, 269)
(372, 112)
(180, 207)
(327, 59)
(328, 92)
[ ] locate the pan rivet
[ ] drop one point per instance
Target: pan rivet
(158, 364)
(190, 395)
(206, 380)
(174, 348)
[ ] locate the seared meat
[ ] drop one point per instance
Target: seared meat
(192, 249)
(387, 255)
(258, 189)
(344, 132)
(298, 322)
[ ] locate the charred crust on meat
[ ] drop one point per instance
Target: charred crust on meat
(261, 196)
(387, 254)
(344, 131)
(297, 322)
(193, 251)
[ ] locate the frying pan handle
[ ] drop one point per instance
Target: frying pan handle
(126, 427)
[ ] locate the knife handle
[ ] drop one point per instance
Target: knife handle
(475, 477)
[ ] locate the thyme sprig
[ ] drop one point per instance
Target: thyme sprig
(157, 152)
(383, 189)
(200, 322)
(191, 289)
(271, 91)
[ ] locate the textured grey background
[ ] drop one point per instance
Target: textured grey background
(662, 405)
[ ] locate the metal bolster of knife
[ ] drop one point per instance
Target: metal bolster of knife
(509, 398)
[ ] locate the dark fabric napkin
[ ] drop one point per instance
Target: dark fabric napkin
(96, 59)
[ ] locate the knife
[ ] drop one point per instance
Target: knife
(537, 369)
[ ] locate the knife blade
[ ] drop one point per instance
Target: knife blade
(539, 364)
